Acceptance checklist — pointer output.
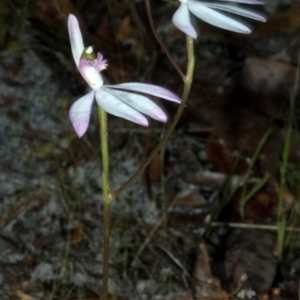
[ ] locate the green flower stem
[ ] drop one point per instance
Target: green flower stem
(188, 79)
(106, 200)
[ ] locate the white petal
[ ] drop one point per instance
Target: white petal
(140, 103)
(238, 11)
(117, 108)
(75, 38)
(80, 113)
(182, 21)
(217, 19)
(148, 89)
(90, 74)
(255, 2)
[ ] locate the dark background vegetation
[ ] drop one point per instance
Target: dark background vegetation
(163, 245)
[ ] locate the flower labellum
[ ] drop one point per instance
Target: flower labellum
(209, 13)
(122, 100)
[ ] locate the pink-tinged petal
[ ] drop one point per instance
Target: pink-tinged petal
(117, 108)
(238, 11)
(255, 2)
(148, 89)
(90, 74)
(181, 19)
(77, 45)
(140, 103)
(217, 19)
(80, 113)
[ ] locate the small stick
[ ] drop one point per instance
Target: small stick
(252, 226)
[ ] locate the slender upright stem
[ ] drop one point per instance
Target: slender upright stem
(188, 79)
(106, 200)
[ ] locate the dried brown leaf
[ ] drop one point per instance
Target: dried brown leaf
(23, 296)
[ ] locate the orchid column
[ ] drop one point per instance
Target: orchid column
(120, 100)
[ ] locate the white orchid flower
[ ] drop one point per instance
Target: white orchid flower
(120, 100)
(209, 13)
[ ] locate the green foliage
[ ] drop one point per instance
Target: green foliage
(282, 221)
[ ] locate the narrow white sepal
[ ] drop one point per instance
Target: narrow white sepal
(114, 106)
(140, 103)
(238, 11)
(148, 89)
(255, 2)
(77, 45)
